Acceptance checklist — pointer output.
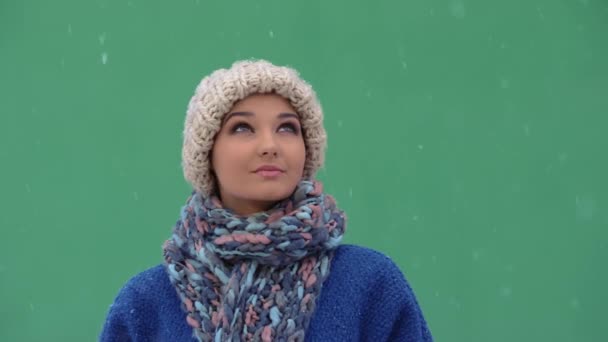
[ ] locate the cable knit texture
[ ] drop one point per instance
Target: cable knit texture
(257, 277)
(217, 93)
(365, 298)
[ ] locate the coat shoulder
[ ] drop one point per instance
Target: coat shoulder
(364, 260)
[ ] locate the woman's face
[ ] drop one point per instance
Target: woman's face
(258, 155)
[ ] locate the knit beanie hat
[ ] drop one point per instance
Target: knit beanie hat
(215, 96)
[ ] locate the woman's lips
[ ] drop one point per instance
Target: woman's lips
(269, 173)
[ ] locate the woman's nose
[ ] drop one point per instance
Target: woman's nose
(267, 144)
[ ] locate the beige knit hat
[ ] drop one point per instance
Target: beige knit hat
(217, 93)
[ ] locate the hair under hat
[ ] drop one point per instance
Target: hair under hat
(217, 93)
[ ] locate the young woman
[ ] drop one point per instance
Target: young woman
(256, 253)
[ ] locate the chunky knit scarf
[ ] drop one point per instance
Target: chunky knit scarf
(258, 277)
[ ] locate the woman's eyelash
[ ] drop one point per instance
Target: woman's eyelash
(293, 126)
(237, 126)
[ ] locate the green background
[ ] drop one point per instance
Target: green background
(467, 140)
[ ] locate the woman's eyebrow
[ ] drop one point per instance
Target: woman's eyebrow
(288, 115)
(246, 114)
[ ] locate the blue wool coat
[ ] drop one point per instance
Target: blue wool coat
(364, 298)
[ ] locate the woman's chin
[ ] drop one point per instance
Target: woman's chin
(272, 192)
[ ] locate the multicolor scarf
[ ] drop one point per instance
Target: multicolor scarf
(258, 277)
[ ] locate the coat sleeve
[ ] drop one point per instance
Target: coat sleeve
(397, 309)
(410, 327)
(121, 321)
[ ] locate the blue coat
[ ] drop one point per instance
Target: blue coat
(365, 298)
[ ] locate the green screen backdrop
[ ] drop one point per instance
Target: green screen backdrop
(467, 141)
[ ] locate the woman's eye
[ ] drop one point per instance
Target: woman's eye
(290, 127)
(241, 127)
